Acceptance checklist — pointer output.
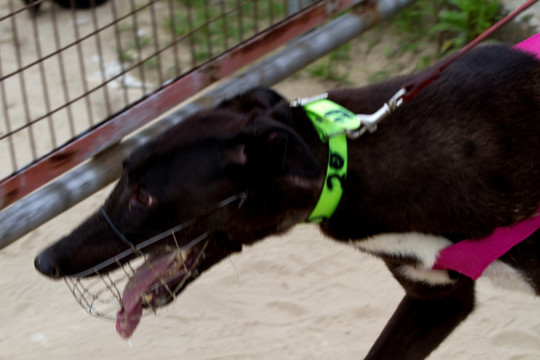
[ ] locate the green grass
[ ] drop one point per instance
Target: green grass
(331, 67)
(207, 28)
(464, 20)
(211, 28)
(450, 23)
(131, 46)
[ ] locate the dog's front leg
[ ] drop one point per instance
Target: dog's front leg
(421, 323)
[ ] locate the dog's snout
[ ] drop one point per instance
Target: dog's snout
(46, 265)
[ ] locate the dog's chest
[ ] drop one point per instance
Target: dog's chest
(417, 253)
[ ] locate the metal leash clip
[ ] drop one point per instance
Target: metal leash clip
(369, 122)
(298, 102)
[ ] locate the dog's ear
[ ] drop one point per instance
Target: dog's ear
(259, 98)
(266, 149)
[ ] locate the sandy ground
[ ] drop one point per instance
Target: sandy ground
(298, 296)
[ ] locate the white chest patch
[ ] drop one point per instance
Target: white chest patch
(505, 276)
(422, 247)
(425, 249)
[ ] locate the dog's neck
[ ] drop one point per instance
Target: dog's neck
(300, 122)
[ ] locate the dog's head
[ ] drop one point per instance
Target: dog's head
(227, 176)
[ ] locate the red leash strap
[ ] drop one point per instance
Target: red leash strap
(412, 89)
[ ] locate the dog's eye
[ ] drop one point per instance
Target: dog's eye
(142, 198)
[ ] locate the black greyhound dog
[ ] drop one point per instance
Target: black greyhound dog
(457, 161)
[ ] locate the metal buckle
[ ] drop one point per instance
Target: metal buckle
(306, 100)
(369, 122)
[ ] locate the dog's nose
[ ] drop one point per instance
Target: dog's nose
(47, 266)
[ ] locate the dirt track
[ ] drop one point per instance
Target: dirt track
(298, 296)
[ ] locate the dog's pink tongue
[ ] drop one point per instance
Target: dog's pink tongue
(145, 276)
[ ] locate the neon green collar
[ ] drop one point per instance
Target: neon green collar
(331, 120)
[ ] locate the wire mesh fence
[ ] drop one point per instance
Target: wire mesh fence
(64, 69)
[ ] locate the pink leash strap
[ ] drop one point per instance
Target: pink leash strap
(472, 257)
